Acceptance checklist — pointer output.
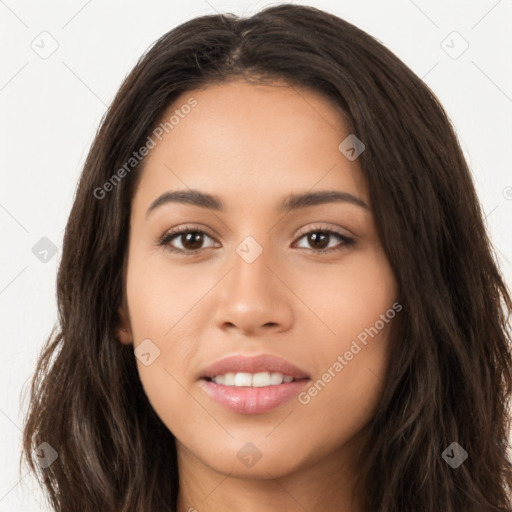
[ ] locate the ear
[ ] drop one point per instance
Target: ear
(123, 327)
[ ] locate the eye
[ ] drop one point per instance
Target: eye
(320, 239)
(191, 240)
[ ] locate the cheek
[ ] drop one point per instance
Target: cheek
(161, 304)
(343, 397)
(161, 295)
(356, 308)
(348, 298)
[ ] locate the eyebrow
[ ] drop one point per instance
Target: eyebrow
(290, 202)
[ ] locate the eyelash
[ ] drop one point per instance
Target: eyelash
(167, 237)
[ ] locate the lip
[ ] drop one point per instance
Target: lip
(253, 364)
(251, 400)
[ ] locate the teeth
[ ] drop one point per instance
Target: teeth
(243, 379)
(256, 380)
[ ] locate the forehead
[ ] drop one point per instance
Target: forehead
(243, 139)
(251, 107)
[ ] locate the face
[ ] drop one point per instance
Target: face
(309, 284)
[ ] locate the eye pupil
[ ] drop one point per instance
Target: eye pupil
(315, 237)
(192, 237)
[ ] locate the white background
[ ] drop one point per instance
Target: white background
(51, 108)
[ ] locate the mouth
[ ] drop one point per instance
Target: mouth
(253, 380)
(252, 385)
(257, 371)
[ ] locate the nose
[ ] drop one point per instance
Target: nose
(254, 297)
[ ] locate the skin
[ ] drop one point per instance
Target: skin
(252, 145)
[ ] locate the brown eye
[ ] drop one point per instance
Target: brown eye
(190, 239)
(320, 239)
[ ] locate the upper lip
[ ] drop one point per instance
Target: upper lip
(237, 363)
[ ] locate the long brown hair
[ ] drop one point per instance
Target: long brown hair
(450, 376)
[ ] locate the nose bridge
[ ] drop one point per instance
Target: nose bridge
(253, 296)
(251, 259)
(255, 257)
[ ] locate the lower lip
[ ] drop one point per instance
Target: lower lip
(249, 400)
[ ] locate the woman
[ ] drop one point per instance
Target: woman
(276, 290)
